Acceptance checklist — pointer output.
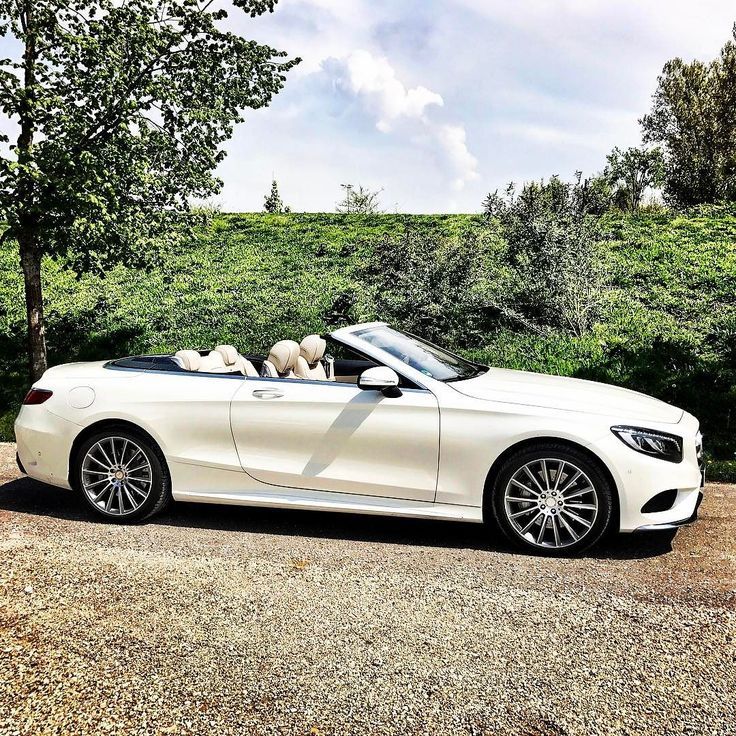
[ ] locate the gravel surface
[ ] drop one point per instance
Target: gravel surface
(219, 620)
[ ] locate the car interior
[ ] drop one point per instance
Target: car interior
(307, 360)
(316, 358)
(286, 359)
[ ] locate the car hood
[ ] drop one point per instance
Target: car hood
(569, 394)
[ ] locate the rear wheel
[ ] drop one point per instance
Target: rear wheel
(552, 500)
(122, 476)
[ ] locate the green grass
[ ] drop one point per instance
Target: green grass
(668, 328)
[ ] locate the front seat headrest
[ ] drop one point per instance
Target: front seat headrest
(283, 355)
(312, 348)
(229, 354)
(190, 360)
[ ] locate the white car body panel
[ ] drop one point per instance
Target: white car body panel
(324, 436)
(571, 394)
(334, 447)
(295, 498)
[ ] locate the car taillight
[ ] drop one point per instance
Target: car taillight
(37, 396)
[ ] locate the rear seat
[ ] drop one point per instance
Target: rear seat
(212, 363)
(189, 360)
(223, 359)
(235, 362)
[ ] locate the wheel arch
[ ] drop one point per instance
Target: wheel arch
(104, 424)
(541, 441)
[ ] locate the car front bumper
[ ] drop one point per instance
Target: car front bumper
(663, 526)
(639, 478)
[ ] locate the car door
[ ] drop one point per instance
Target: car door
(329, 436)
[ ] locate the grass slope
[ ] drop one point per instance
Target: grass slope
(248, 279)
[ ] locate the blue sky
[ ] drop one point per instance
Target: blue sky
(440, 101)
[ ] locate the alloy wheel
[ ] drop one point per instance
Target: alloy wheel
(551, 503)
(117, 476)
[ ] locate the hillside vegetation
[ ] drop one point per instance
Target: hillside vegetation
(666, 326)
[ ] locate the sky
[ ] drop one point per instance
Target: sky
(438, 102)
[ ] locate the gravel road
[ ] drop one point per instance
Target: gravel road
(217, 620)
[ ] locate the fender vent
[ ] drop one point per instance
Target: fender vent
(663, 501)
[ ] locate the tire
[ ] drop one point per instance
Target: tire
(565, 514)
(131, 471)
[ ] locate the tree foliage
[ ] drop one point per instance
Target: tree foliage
(272, 202)
(631, 172)
(693, 117)
(121, 112)
(359, 201)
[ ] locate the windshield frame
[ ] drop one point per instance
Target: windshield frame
(437, 352)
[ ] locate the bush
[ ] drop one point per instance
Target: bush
(720, 471)
(664, 325)
(552, 234)
(437, 286)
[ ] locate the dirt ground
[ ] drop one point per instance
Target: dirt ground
(221, 620)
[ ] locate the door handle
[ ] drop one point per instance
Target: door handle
(267, 393)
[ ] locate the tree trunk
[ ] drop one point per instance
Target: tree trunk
(26, 230)
(30, 260)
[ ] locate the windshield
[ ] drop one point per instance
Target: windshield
(420, 355)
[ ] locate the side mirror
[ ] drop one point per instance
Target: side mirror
(381, 379)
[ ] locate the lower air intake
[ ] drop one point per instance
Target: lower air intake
(663, 501)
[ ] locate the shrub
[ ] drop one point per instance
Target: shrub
(435, 285)
(552, 235)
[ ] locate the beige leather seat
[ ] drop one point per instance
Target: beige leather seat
(281, 360)
(212, 363)
(189, 360)
(309, 363)
(235, 362)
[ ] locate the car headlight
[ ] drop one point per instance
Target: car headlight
(650, 442)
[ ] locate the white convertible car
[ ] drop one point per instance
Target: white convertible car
(386, 423)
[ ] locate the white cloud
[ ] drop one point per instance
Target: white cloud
(527, 88)
(373, 79)
(404, 111)
(462, 162)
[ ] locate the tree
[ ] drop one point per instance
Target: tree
(631, 172)
(121, 111)
(552, 231)
(692, 117)
(273, 202)
(360, 201)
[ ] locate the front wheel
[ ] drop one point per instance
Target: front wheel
(122, 476)
(552, 500)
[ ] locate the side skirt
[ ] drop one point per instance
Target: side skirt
(345, 503)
